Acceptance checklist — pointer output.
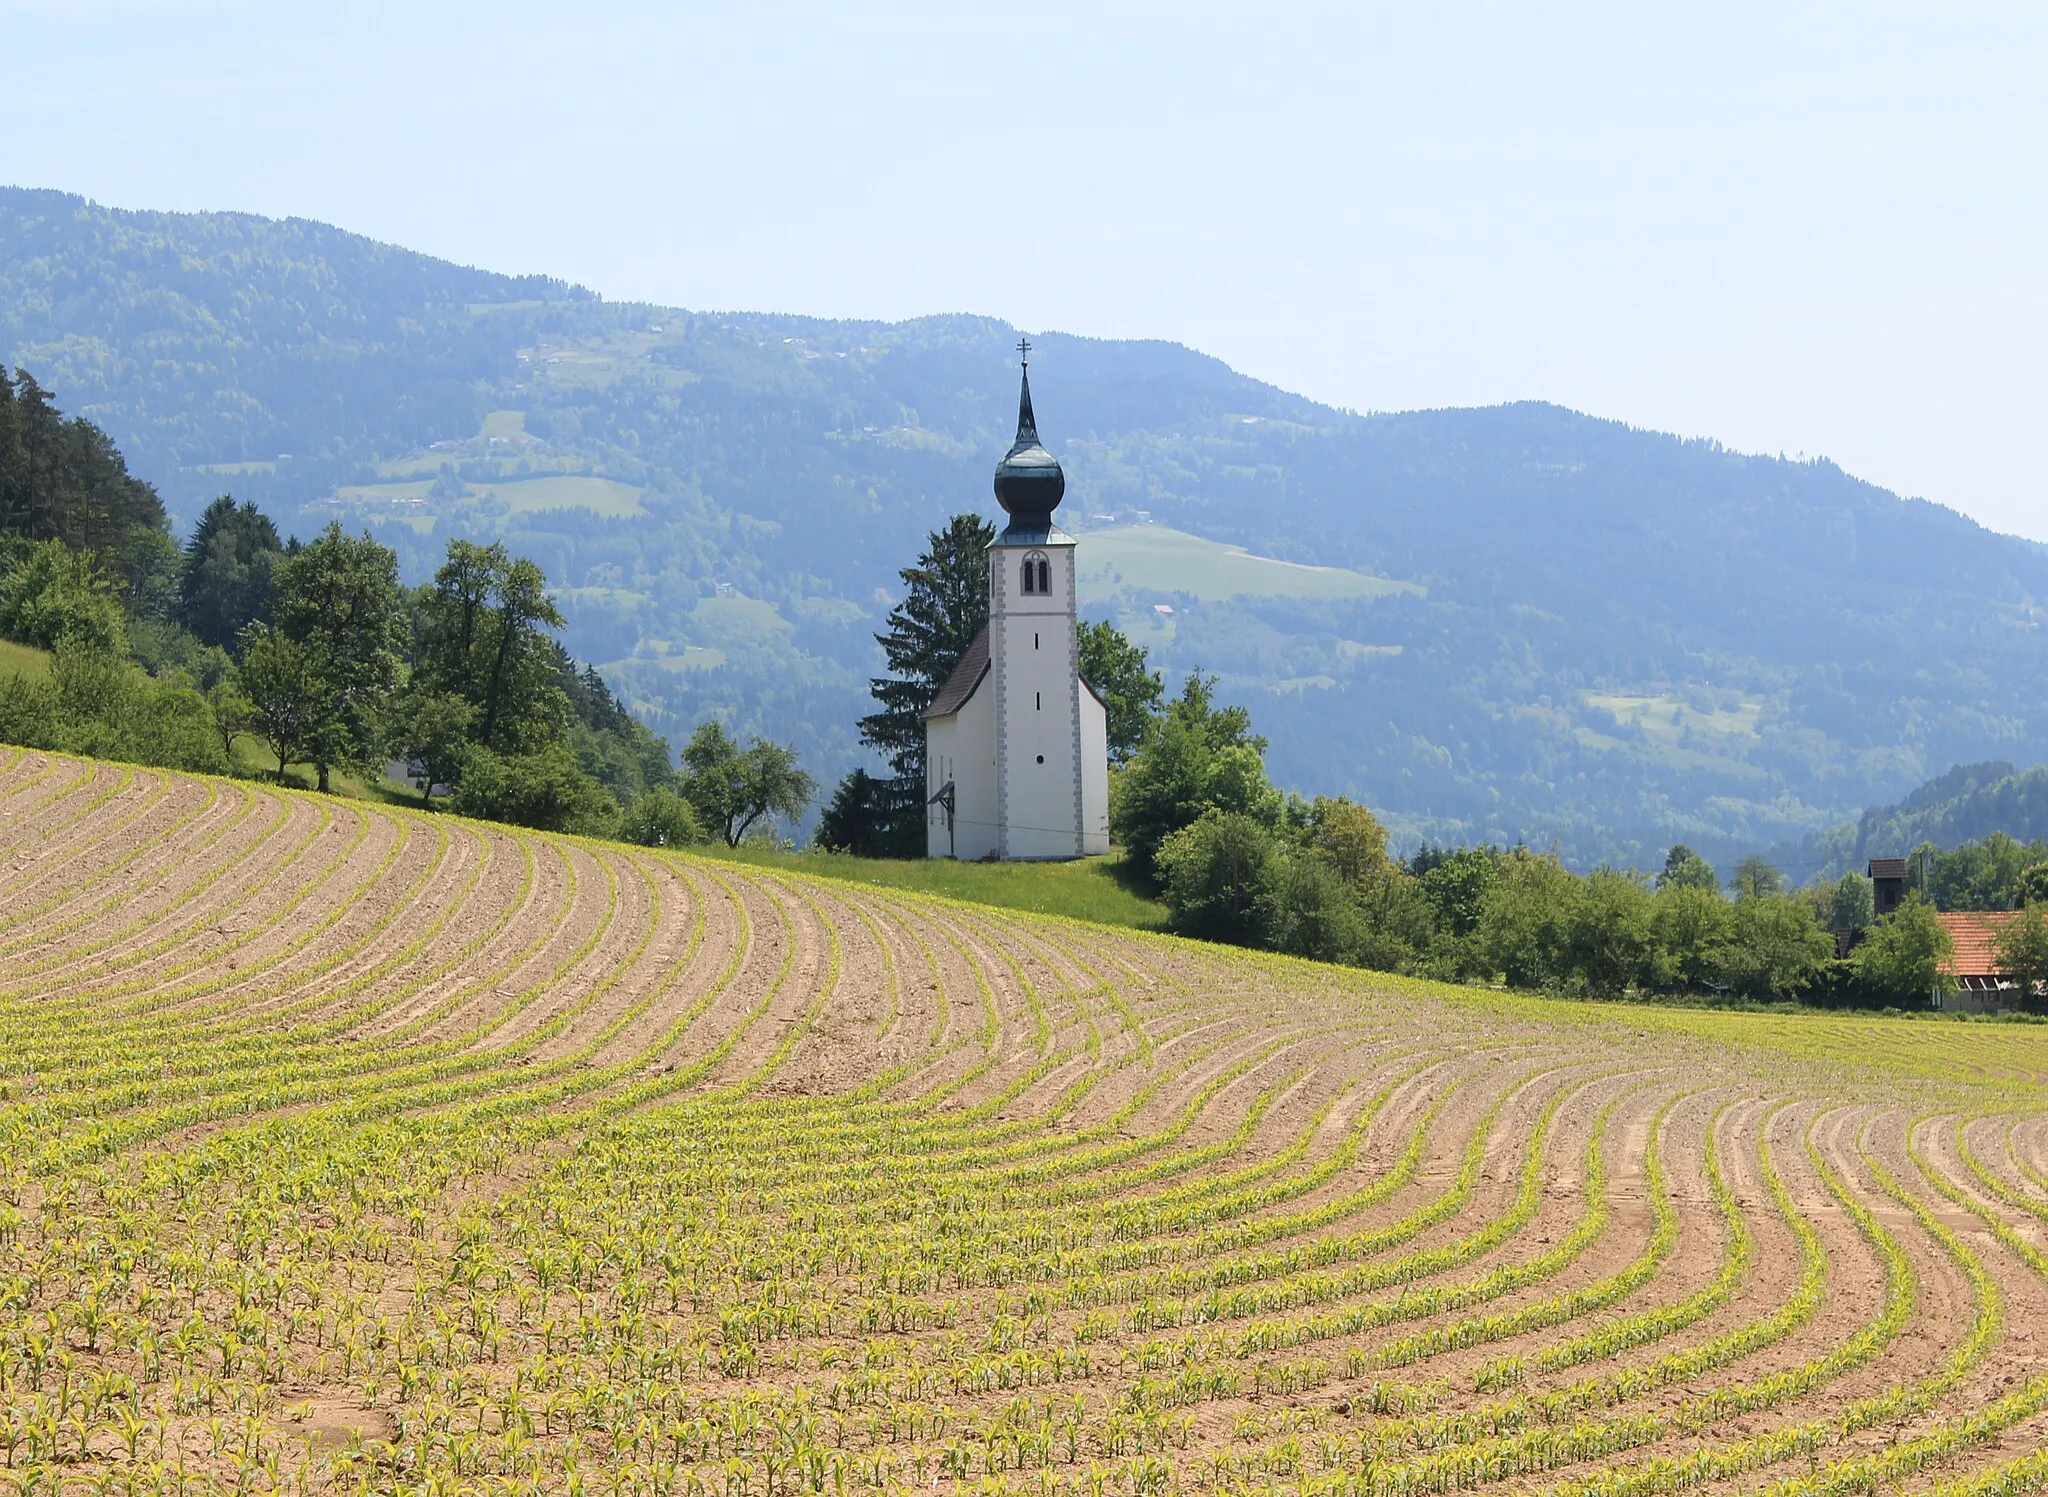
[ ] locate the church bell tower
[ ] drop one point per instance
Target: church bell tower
(1034, 652)
(1017, 742)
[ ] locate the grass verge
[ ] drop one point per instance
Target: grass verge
(1096, 889)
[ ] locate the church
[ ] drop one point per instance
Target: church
(1016, 743)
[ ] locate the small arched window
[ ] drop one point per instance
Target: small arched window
(1037, 573)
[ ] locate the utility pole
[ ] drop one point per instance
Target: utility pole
(1927, 887)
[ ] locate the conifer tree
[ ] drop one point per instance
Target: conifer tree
(225, 584)
(945, 606)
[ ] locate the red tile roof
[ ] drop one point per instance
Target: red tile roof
(1975, 933)
(1887, 867)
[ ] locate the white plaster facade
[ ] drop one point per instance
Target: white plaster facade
(1020, 738)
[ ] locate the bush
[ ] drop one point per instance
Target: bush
(1306, 908)
(96, 703)
(54, 593)
(547, 791)
(1214, 873)
(1194, 759)
(661, 818)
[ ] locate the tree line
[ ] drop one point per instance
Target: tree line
(1237, 860)
(172, 656)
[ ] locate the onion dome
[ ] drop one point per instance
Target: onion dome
(1029, 481)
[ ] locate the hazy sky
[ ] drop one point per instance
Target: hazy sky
(1815, 229)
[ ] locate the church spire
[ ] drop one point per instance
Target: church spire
(1029, 480)
(1027, 424)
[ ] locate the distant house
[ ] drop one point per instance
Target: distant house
(1982, 984)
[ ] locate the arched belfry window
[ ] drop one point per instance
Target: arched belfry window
(1037, 572)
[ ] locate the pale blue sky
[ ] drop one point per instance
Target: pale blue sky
(1813, 229)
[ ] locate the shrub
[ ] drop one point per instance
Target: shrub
(1305, 908)
(661, 818)
(54, 593)
(96, 703)
(547, 790)
(1214, 873)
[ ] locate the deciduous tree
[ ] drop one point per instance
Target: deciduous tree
(1130, 692)
(732, 788)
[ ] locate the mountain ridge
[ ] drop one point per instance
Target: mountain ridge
(1629, 638)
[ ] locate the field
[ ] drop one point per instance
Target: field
(23, 660)
(1158, 558)
(520, 496)
(349, 1150)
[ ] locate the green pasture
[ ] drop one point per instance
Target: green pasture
(1158, 558)
(1097, 889)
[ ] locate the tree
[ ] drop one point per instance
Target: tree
(225, 577)
(1305, 908)
(1456, 885)
(732, 789)
(1691, 924)
(1351, 840)
(277, 677)
(485, 634)
(431, 729)
(661, 818)
(233, 714)
(1755, 878)
(1525, 921)
(944, 607)
(872, 817)
(1686, 869)
(1771, 948)
(1130, 693)
(1899, 961)
(1213, 872)
(1195, 758)
(65, 480)
(338, 599)
(1609, 940)
(2022, 950)
(1851, 904)
(2033, 885)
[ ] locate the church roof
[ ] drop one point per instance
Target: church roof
(966, 676)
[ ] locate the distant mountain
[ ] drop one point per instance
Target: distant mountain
(1605, 639)
(1967, 804)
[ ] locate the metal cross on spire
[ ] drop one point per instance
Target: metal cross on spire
(1024, 352)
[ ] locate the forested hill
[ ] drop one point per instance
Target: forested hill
(1509, 623)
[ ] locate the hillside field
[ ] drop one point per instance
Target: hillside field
(345, 1149)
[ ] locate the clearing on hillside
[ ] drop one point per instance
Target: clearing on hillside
(345, 1149)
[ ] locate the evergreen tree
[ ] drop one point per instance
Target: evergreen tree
(1686, 869)
(945, 607)
(64, 480)
(225, 582)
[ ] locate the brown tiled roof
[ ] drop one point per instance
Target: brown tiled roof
(966, 676)
(1975, 933)
(1887, 867)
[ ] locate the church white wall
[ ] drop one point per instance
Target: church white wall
(962, 748)
(1034, 662)
(1094, 776)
